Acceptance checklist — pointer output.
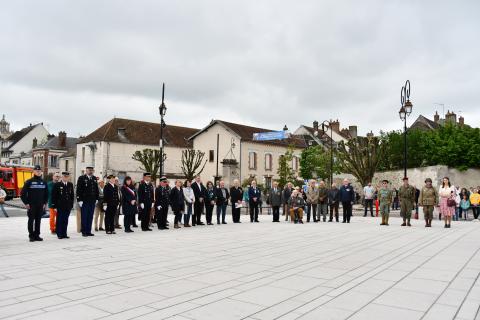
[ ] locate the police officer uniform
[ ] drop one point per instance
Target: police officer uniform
(35, 195)
(406, 194)
(145, 199)
(62, 201)
(162, 201)
(111, 200)
(87, 197)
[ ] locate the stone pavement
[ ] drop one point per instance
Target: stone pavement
(244, 271)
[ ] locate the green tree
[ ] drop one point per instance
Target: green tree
(284, 170)
(361, 157)
(150, 161)
(394, 149)
(192, 163)
(315, 162)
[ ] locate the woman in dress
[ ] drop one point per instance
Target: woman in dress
(447, 201)
(129, 203)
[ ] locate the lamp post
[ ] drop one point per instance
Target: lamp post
(404, 113)
(162, 109)
(328, 123)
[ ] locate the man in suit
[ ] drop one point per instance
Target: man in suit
(286, 194)
(222, 195)
(111, 200)
(62, 202)
(145, 199)
(236, 197)
(254, 196)
(35, 197)
(162, 201)
(87, 198)
(199, 191)
(275, 200)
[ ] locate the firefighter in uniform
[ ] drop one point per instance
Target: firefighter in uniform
(35, 197)
(428, 199)
(87, 198)
(145, 200)
(385, 197)
(111, 200)
(406, 194)
(162, 200)
(62, 202)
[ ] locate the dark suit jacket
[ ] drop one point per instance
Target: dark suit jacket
(110, 195)
(236, 194)
(219, 195)
(62, 196)
(199, 192)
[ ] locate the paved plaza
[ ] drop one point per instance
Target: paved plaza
(244, 271)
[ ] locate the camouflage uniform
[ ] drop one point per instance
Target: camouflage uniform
(406, 194)
(385, 200)
(428, 200)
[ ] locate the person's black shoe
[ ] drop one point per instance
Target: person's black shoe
(101, 229)
(344, 221)
(113, 232)
(201, 223)
(60, 237)
(372, 216)
(364, 215)
(148, 229)
(134, 226)
(209, 224)
(90, 234)
(38, 239)
(300, 221)
(31, 239)
(257, 221)
(84, 235)
(128, 231)
(224, 222)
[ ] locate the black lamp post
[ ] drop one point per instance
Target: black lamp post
(328, 123)
(404, 113)
(162, 109)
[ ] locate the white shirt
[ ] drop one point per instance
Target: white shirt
(3, 194)
(369, 192)
(446, 192)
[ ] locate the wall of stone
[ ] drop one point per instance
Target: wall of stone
(417, 176)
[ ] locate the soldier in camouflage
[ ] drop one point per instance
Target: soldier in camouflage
(428, 199)
(406, 194)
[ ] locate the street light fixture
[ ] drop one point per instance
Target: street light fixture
(404, 113)
(162, 109)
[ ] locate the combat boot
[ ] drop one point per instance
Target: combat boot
(408, 223)
(404, 224)
(383, 221)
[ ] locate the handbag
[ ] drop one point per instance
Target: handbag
(451, 202)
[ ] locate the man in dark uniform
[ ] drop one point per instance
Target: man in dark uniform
(62, 201)
(347, 197)
(162, 196)
(199, 191)
(236, 197)
(35, 197)
(87, 198)
(111, 200)
(145, 199)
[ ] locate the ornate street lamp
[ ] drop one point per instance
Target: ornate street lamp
(404, 113)
(162, 109)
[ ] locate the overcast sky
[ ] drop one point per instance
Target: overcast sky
(76, 64)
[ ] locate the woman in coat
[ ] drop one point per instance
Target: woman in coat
(177, 202)
(129, 203)
(189, 201)
(209, 202)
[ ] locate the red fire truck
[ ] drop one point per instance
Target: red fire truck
(12, 178)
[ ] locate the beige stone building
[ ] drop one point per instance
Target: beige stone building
(232, 153)
(110, 148)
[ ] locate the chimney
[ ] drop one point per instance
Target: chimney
(35, 142)
(315, 125)
(461, 121)
(62, 139)
(436, 117)
(335, 126)
(451, 117)
(352, 130)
